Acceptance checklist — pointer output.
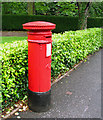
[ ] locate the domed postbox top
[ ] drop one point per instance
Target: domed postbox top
(39, 25)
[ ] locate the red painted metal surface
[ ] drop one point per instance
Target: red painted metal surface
(39, 25)
(39, 59)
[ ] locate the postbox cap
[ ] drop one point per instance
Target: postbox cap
(39, 25)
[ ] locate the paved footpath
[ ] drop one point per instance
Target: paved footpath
(85, 100)
(13, 33)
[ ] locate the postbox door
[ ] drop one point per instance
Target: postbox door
(45, 68)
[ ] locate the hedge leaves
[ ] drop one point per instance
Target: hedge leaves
(67, 50)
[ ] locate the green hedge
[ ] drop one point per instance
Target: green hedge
(15, 22)
(95, 22)
(63, 23)
(67, 50)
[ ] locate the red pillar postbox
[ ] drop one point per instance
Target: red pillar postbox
(39, 64)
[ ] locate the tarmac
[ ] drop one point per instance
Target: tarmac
(13, 33)
(78, 95)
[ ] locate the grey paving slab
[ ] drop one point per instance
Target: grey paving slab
(85, 100)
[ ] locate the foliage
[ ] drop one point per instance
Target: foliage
(63, 23)
(14, 71)
(41, 8)
(14, 8)
(67, 49)
(96, 9)
(56, 8)
(71, 47)
(30, 8)
(83, 8)
(67, 8)
(95, 22)
(86, 9)
(80, 9)
(51, 8)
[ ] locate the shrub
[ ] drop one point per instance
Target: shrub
(63, 23)
(71, 47)
(67, 50)
(95, 22)
(14, 71)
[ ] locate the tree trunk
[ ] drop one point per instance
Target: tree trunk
(5, 7)
(83, 14)
(31, 8)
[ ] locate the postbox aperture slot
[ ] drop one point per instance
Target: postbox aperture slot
(48, 36)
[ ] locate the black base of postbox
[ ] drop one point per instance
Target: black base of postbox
(39, 101)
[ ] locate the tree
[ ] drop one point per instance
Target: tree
(14, 8)
(42, 8)
(56, 8)
(67, 8)
(31, 8)
(83, 8)
(80, 9)
(96, 9)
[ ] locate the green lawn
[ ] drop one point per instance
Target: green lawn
(11, 39)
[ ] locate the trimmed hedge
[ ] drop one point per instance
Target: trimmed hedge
(67, 50)
(15, 22)
(95, 22)
(63, 23)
